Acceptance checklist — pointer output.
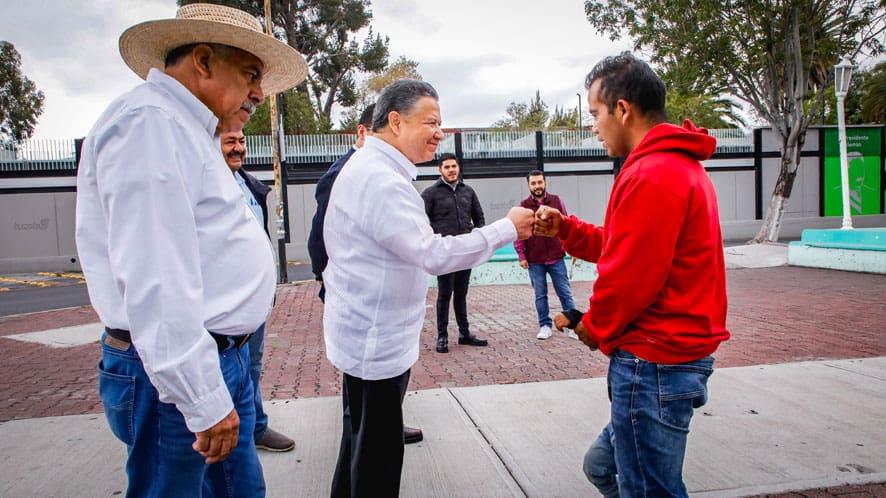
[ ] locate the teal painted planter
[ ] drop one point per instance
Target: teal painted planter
(861, 250)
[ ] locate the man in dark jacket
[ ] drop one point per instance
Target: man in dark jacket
(316, 245)
(543, 256)
(453, 209)
(233, 145)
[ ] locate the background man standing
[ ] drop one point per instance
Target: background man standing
(381, 249)
(659, 303)
(543, 256)
(233, 145)
(453, 209)
(177, 269)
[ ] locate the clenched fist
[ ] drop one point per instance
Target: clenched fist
(547, 221)
(523, 220)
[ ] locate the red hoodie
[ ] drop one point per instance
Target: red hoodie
(661, 287)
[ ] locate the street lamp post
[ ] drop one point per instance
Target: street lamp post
(842, 75)
(579, 111)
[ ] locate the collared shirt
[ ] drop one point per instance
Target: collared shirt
(250, 200)
(168, 246)
(381, 249)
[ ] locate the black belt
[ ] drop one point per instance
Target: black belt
(222, 341)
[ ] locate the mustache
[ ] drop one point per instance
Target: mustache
(248, 107)
(234, 154)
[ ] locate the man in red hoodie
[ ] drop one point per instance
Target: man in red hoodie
(658, 309)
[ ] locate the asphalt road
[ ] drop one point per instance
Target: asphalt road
(26, 299)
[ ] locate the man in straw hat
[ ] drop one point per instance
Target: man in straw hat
(177, 268)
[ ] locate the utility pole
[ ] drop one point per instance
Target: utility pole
(579, 111)
(278, 151)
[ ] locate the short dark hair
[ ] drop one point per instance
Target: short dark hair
(366, 116)
(179, 53)
(447, 156)
(535, 172)
(625, 77)
(399, 96)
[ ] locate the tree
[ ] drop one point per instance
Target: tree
(371, 88)
(20, 101)
(697, 96)
(865, 102)
(564, 119)
(298, 116)
(827, 115)
(704, 110)
(775, 55)
(522, 116)
(324, 32)
(873, 95)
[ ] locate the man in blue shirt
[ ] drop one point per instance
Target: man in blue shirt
(233, 146)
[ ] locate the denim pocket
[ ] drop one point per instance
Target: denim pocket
(117, 393)
(681, 389)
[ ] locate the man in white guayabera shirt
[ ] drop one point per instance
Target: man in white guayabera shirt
(381, 249)
(176, 266)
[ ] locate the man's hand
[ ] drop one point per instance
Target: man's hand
(524, 264)
(582, 334)
(547, 221)
(217, 442)
(561, 321)
(523, 220)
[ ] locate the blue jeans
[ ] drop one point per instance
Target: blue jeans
(161, 461)
(645, 442)
(560, 279)
(256, 352)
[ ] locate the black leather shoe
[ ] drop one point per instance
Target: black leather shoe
(443, 344)
(472, 340)
(412, 434)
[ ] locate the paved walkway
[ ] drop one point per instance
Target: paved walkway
(776, 315)
(766, 429)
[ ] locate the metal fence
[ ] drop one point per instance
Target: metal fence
(39, 155)
(60, 154)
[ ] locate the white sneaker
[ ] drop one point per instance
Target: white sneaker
(571, 334)
(544, 332)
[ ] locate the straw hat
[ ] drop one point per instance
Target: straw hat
(145, 45)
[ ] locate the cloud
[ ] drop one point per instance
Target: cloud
(408, 14)
(74, 44)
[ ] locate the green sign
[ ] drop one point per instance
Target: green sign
(863, 150)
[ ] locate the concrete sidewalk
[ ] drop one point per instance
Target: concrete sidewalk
(766, 429)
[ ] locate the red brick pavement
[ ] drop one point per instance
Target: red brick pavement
(775, 315)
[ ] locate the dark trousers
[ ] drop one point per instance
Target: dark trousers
(447, 285)
(371, 455)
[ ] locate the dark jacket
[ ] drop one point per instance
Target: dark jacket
(316, 245)
(260, 192)
(538, 249)
(452, 211)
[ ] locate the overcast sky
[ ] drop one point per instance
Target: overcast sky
(480, 55)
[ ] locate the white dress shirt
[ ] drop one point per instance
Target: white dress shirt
(168, 246)
(381, 249)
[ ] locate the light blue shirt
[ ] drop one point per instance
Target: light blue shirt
(251, 200)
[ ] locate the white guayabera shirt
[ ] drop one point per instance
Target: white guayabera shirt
(167, 243)
(381, 249)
